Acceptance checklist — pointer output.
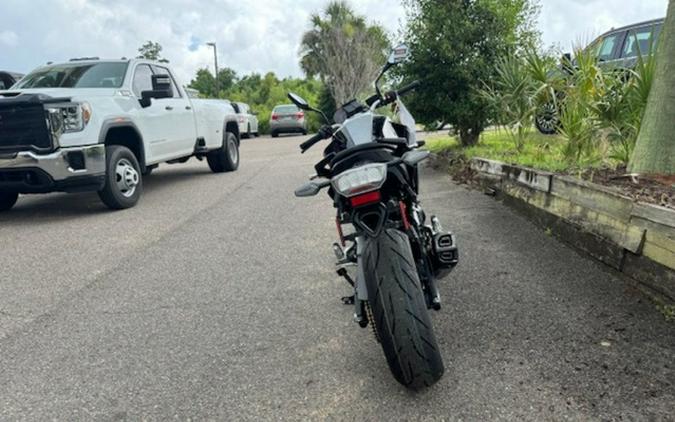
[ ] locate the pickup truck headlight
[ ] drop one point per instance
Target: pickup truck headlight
(360, 180)
(67, 117)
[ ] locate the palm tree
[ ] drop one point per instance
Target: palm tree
(655, 148)
(343, 50)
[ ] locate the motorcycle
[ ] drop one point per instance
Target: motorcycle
(371, 171)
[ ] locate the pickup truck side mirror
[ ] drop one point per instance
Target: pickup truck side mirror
(161, 88)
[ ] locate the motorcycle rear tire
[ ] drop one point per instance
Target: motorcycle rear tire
(401, 317)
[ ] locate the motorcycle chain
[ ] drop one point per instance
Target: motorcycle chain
(371, 319)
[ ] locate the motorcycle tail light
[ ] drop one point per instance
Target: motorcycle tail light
(360, 180)
(366, 199)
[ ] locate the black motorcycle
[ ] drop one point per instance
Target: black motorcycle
(370, 169)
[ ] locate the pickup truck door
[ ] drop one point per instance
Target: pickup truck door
(182, 127)
(151, 120)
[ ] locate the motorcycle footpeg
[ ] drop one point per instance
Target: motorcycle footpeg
(339, 252)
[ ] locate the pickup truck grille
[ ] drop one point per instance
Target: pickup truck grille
(23, 126)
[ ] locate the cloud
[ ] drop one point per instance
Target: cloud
(252, 35)
(8, 38)
(565, 23)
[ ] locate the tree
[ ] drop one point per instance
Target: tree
(454, 45)
(343, 50)
(261, 92)
(151, 51)
(654, 151)
(206, 85)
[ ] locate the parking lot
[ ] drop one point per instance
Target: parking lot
(215, 298)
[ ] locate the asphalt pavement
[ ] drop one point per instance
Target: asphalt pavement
(215, 299)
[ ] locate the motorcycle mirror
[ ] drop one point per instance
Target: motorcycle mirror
(298, 101)
(398, 54)
(302, 104)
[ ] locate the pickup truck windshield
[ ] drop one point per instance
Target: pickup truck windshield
(76, 75)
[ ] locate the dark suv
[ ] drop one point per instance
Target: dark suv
(617, 49)
(7, 79)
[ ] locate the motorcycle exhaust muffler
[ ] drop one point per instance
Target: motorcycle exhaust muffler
(445, 252)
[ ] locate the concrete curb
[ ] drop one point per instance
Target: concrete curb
(637, 239)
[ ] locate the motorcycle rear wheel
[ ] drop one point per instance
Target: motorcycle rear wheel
(400, 312)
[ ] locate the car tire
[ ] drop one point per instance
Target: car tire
(123, 181)
(8, 200)
(304, 133)
(274, 134)
(546, 120)
(225, 158)
(248, 134)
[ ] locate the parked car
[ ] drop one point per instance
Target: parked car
(108, 123)
(287, 118)
(248, 122)
(615, 49)
(7, 79)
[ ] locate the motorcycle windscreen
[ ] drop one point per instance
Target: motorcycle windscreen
(358, 130)
(406, 119)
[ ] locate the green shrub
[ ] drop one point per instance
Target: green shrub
(512, 96)
(600, 109)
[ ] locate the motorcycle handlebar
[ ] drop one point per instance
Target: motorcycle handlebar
(371, 100)
(411, 87)
(324, 133)
(390, 97)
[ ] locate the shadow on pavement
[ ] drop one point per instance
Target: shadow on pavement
(59, 206)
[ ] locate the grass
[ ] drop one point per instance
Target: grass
(543, 152)
(668, 312)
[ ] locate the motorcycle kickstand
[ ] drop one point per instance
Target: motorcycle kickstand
(346, 300)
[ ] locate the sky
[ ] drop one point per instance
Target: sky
(251, 35)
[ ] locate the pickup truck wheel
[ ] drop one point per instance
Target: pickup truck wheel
(7, 200)
(225, 158)
(123, 181)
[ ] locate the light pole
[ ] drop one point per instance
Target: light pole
(215, 60)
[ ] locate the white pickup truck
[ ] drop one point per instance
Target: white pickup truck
(101, 125)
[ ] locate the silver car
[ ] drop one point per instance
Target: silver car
(287, 118)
